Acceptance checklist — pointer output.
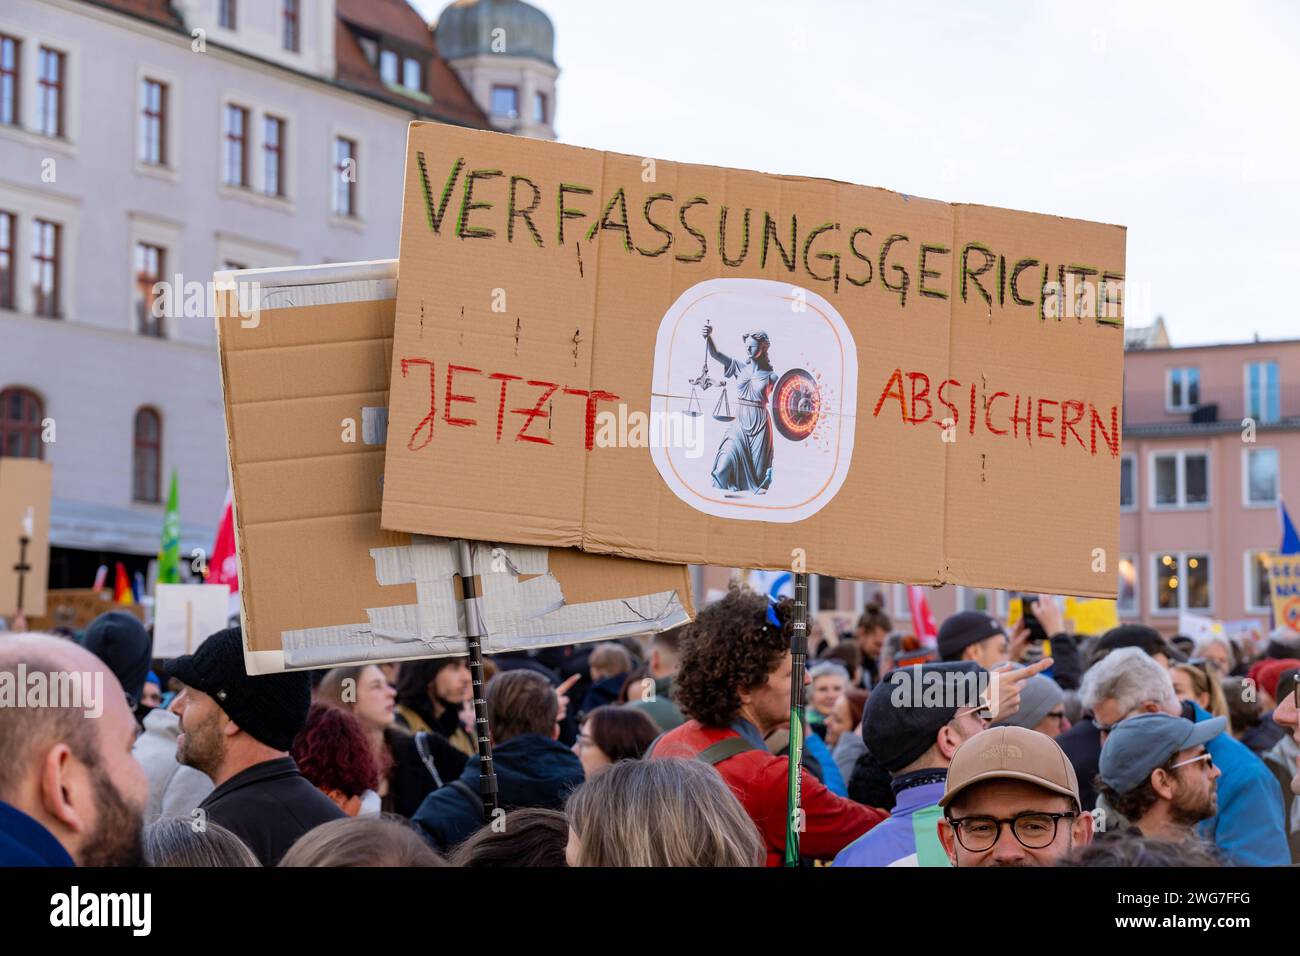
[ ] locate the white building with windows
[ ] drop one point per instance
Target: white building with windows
(143, 141)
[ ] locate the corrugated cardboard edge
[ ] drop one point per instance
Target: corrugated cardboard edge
(272, 662)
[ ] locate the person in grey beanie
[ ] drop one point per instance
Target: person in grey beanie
(1042, 708)
(238, 730)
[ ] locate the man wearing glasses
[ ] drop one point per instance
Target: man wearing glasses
(1248, 826)
(1158, 775)
(914, 739)
(1011, 799)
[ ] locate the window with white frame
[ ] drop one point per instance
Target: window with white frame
(235, 154)
(47, 268)
(345, 177)
(1263, 395)
(10, 84)
(50, 82)
(1127, 482)
(504, 101)
(150, 269)
(1181, 582)
(1126, 600)
(1182, 388)
(8, 233)
(290, 30)
(1180, 479)
(273, 156)
(1259, 596)
(153, 122)
(1260, 480)
(412, 74)
(389, 63)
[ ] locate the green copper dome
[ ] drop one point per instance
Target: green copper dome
(466, 29)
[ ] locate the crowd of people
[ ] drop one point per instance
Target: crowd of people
(984, 748)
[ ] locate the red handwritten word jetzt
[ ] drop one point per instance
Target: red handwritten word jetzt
(457, 377)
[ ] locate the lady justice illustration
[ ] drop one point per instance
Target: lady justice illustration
(744, 458)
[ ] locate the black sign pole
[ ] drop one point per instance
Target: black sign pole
(22, 567)
(794, 778)
(474, 635)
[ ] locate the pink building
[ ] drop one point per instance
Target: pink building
(1211, 443)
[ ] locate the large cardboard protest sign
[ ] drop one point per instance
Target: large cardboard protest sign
(1284, 584)
(305, 359)
(25, 487)
(693, 364)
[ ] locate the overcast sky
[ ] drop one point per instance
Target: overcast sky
(1177, 120)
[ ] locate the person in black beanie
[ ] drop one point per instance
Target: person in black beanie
(238, 730)
(913, 723)
(121, 642)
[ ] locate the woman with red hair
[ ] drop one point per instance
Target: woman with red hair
(333, 753)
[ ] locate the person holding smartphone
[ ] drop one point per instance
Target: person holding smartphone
(1042, 630)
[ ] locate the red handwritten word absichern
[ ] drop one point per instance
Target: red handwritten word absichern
(441, 401)
(1001, 413)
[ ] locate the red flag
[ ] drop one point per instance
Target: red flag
(223, 565)
(122, 588)
(927, 632)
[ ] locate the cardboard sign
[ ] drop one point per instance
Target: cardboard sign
(305, 382)
(25, 486)
(692, 364)
(185, 614)
(1284, 583)
(75, 608)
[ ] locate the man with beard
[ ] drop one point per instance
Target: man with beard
(1247, 829)
(70, 791)
(1011, 799)
(238, 730)
(1158, 775)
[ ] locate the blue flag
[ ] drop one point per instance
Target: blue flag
(1290, 540)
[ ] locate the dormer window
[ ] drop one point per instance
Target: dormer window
(412, 74)
(388, 65)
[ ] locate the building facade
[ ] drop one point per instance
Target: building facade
(146, 142)
(1211, 445)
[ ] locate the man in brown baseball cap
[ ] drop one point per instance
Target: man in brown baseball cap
(1011, 799)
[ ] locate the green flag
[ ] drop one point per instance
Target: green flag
(169, 558)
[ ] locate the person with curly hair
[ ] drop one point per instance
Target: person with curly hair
(734, 685)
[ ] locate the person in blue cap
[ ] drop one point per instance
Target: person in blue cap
(1156, 772)
(1248, 828)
